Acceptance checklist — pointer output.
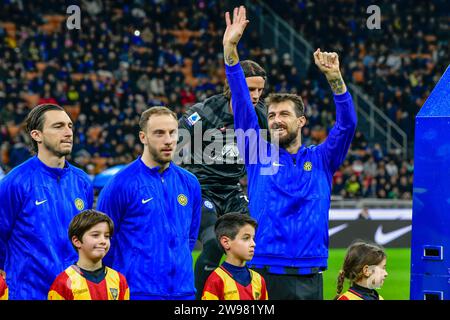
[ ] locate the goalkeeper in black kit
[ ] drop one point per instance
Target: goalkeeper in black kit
(210, 152)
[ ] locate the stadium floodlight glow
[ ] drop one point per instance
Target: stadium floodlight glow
(137, 33)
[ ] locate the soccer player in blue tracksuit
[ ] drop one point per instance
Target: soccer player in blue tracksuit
(156, 209)
(38, 199)
(289, 190)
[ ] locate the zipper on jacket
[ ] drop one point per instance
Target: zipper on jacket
(166, 212)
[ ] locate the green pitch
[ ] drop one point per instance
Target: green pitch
(396, 286)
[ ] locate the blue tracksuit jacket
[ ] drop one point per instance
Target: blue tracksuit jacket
(290, 193)
(157, 218)
(37, 205)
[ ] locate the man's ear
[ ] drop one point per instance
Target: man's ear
(36, 135)
(225, 242)
(301, 121)
(142, 137)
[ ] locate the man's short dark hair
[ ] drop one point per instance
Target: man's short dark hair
(230, 223)
(36, 118)
(251, 69)
(85, 220)
(275, 98)
(157, 110)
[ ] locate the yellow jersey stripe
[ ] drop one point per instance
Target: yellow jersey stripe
(209, 296)
(231, 291)
(5, 295)
(256, 284)
(112, 284)
(78, 285)
(53, 295)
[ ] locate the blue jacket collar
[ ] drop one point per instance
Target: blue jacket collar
(155, 170)
(284, 152)
(53, 172)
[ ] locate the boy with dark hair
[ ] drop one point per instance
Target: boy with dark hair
(90, 232)
(233, 280)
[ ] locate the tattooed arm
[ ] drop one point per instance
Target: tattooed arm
(336, 145)
(230, 55)
(245, 119)
(233, 34)
(328, 63)
(337, 84)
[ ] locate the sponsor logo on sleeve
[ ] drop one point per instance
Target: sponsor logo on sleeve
(193, 118)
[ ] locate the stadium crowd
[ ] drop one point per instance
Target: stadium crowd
(130, 55)
(398, 64)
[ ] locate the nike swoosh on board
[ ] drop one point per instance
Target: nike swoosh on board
(383, 238)
(337, 229)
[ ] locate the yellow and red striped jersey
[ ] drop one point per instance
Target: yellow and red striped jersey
(221, 286)
(3, 289)
(72, 285)
(354, 295)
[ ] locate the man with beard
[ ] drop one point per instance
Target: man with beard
(217, 164)
(155, 206)
(39, 198)
(290, 193)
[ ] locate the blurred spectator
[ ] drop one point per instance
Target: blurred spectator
(364, 214)
(391, 168)
(353, 187)
(397, 65)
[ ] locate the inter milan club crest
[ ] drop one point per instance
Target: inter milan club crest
(79, 204)
(182, 199)
(114, 293)
(307, 166)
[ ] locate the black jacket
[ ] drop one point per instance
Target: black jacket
(214, 158)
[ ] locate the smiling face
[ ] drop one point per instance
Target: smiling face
(284, 125)
(94, 244)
